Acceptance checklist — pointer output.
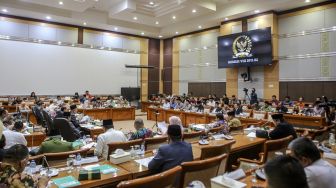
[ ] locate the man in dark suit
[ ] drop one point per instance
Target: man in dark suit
(73, 118)
(172, 154)
(282, 128)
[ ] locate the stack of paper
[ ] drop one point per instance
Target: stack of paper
(86, 160)
(144, 161)
(67, 181)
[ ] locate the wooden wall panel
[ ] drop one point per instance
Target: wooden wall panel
(144, 72)
(154, 60)
(203, 89)
(167, 65)
(309, 90)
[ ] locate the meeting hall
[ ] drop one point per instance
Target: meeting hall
(168, 93)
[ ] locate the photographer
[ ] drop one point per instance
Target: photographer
(254, 97)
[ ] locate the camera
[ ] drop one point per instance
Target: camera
(245, 90)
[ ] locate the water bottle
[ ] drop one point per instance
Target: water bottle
(142, 150)
(78, 157)
(133, 153)
(84, 139)
(331, 139)
(32, 167)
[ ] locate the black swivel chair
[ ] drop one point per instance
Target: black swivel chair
(64, 127)
(39, 116)
(51, 130)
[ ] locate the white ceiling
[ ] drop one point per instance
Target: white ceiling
(111, 14)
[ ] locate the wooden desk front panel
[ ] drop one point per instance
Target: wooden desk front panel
(180, 114)
(97, 113)
(35, 139)
(151, 113)
(119, 114)
(191, 118)
(146, 104)
(305, 121)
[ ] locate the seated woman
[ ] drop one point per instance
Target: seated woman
(11, 169)
(141, 132)
(220, 122)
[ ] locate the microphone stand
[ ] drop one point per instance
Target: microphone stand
(156, 121)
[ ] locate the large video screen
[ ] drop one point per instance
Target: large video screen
(251, 48)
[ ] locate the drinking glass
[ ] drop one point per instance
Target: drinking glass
(70, 164)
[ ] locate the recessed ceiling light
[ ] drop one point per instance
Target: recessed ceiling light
(59, 43)
(160, 36)
(226, 19)
(199, 27)
(60, 3)
(135, 18)
(142, 33)
(194, 11)
(157, 22)
(84, 23)
(174, 17)
(204, 47)
(307, 1)
(151, 3)
(116, 29)
(176, 32)
(4, 10)
(48, 17)
(256, 11)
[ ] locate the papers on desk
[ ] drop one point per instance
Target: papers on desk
(67, 181)
(218, 136)
(86, 160)
(87, 126)
(236, 175)
(252, 135)
(222, 181)
(89, 146)
(162, 127)
(329, 156)
(144, 161)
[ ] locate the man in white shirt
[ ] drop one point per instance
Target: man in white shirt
(111, 135)
(319, 172)
(15, 136)
(211, 102)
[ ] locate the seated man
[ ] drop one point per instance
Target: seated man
(282, 128)
(111, 135)
(266, 107)
(12, 169)
(172, 154)
(141, 131)
(15, 136)
(319, 172)
(217, 108)
(232, 120)
(55, 145)
(73, 119)
(285, 172)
